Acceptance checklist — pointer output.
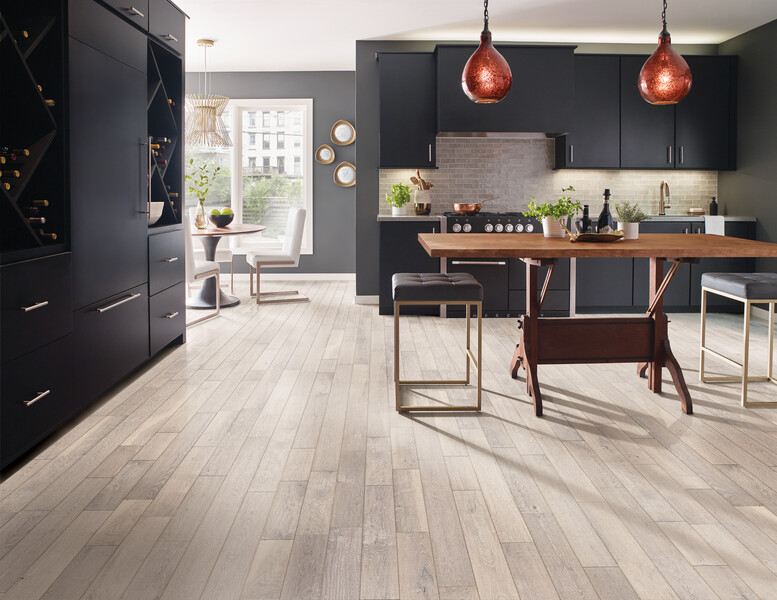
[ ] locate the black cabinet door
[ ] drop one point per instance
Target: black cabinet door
(492, 274)
(678, 294)
(604, 284)
(647, 131)
(595, 139)
(135, 11)
(408, 106)
(541, 98)
(107, 173)
(400, 252)
(704, 135)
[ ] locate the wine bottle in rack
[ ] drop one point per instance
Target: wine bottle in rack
(172, 194)
(40, 88)
(24, 34)
(10, 173)
(7, 154)
(31, 211)
(161, 162)
(36, 220)
(47, 235)
(3, 160)
(6, 186)
(171, 102)
(40, 202)
(160, 140)
(49, 102)
(157, 147)
(20, 151)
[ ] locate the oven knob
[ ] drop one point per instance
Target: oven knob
(499, 228)
(489, 228)
(529, 228)
(467, 227)
(456, 228)
(519, 228)
(509, 228)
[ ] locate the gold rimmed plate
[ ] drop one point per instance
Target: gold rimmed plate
(343, 133)
(345, 174)
(325, 154)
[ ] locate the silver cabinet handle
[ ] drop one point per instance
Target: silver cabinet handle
(134, 11)
(685, 230)
(434, 230)
(171, 315)
(571, 153)
(698, 230)
(170, 37)
(171, 259)
(430, 153)
(115, 304)
(36, 398)
(669, 148)
(682, 154)
(479, 262)
(147, 144)
(35, 306)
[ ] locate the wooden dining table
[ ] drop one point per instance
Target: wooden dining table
(640, 339)
(210, 238)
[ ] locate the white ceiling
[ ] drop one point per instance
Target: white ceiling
(315, 35)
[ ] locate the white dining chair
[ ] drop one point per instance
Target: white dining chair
(288, 256)
(223, 255)
(197, 270)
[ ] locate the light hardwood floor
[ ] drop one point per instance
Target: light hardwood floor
(264, 459)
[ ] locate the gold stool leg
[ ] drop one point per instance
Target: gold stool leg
(480, 352)
(746, 352)
(396, 354)
(703, 332)
(467, 307)
(771, 341)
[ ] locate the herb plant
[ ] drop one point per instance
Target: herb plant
(630, 213)
(399, 196)
(565, 207)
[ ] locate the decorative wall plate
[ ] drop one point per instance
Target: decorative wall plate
(343, 133)
(345, 174)
(325, 154)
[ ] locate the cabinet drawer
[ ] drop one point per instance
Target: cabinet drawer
(36, 397)
(111, 339)
(167, 24)
(166, 261)
(96, 26)
(36, 304)
(167, 316)
(135, 11)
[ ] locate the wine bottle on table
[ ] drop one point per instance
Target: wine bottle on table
(604, 224)
(585, 223)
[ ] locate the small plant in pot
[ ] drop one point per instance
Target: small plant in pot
(552, 215)
(629, 218)
(398, 198)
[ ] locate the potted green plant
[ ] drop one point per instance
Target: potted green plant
(553, 214)
(398, 198)
(201, 176)
(629, 218)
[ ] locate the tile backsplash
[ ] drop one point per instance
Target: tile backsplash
(511, 171)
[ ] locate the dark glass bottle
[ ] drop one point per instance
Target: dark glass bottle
(714, 207)
(605, 218)
(585, 223)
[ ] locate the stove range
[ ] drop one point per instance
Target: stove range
(491, 222)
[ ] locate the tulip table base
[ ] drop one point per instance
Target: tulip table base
(206, 296)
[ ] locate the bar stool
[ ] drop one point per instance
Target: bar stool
(438, 288)
(749, 288)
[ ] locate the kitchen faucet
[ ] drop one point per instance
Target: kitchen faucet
(663, 204)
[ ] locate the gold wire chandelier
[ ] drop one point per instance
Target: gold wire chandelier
(204, 125)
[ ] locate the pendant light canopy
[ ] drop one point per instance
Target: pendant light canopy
(204, 125)
(486, 77)
(665, 77)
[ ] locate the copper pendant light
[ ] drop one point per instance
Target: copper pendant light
(486, 78)
(665, 77)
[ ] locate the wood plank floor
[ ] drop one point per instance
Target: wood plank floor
(264, 460)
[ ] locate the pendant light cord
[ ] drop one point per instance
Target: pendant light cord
(485, 17)
(664, 32)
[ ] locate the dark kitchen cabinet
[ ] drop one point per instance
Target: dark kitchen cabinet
(541, 98)
(557, 299)
(677, 296)
(408, 106)
(492, 274)
(107, 171)
(400, 252)
(604, 284)
(705, 128)
(135, 11)
(647, 130)
(594, 142)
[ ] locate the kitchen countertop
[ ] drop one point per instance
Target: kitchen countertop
(409, 218)
(699, 218)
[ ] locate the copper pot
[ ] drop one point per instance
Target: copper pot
(467, 209)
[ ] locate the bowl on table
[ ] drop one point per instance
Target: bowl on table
(221, 220)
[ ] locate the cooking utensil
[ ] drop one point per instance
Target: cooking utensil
(423, 208)
(466, 209)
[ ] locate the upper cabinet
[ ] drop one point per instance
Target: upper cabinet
(541, 99)
(407, 109)
(595, 142)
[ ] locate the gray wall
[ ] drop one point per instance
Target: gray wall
(752, 188)
(333, 206)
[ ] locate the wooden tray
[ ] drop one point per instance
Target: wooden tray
(597, 237)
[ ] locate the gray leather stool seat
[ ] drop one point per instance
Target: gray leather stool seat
(750, 286)
(436, 287)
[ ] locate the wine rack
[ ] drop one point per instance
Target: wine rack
(33, 186)
(165, 133)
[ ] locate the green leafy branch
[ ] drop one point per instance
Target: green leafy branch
(202, 177)
(565, 207)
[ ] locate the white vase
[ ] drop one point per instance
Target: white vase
(630, 230)
(551, 227)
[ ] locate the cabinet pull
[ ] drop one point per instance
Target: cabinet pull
(698, 230)
(147, 144)
(171, 315)
(170, 37)
(571, 153)
(669, 150)
(134, 11)
(682, 155)
(685, 230)
(115, 304)
(479, 262)
(171, 259)
(434, 230)
(35, 306)
(36, 398)
(430, 153)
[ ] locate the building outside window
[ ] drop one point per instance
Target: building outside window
(263, 194)
(252, 118)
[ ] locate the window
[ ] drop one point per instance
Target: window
(261, 183)
(252, 118)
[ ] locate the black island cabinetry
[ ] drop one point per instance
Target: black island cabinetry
(91, 81)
